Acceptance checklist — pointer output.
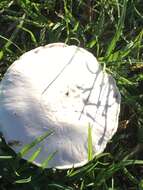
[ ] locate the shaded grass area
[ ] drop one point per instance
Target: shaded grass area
(113, 31)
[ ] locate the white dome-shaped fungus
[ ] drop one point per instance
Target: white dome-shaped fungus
(60, 88)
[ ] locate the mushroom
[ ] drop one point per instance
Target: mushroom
(64, 89)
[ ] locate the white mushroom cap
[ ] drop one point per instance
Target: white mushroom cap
(60, 88)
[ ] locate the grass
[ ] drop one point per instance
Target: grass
(113, 31)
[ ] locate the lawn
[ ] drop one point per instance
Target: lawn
(113, 31)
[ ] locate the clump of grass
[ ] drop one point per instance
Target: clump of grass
(112, 31)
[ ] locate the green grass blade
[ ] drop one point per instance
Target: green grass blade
(46, 161)
(35, 155)
(14, 34)
(90, 151)
(21, 181)
(1, 55)
(27, 148)
(33, 39)
(9, 42)
(105, 174)
(5, 157)
(118, 32)
(133, 179)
